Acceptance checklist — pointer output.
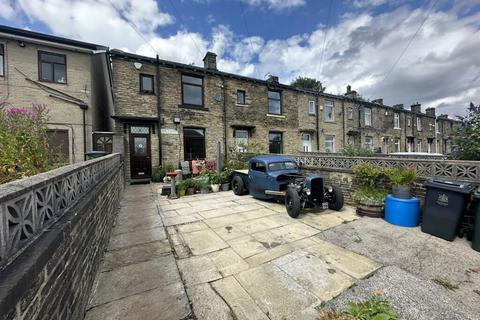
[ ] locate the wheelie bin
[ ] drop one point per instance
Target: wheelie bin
(476, 223)
(445, 204)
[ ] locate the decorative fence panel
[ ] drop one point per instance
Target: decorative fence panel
(467, 171)
(30, 206)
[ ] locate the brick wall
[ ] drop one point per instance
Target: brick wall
(53, 277)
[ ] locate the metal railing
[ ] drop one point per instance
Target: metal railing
(30, 206)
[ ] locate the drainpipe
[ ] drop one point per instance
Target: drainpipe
(84, 110)
(157, 76)
(224, 92)
(317, 123)
(343, 125)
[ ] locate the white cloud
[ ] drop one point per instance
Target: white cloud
(275, 4)
(6, 9)
(368, 3)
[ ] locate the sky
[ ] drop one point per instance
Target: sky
(425, 51)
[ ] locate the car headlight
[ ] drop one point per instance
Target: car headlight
(307, 191)
(330, 189)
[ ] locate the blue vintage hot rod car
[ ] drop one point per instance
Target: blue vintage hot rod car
(274, 177)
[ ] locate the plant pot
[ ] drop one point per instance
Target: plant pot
(204, 190)
(215, 187)
(181, 192)
(225, 186)
(370, 208)
(190, 191)
(401, 192)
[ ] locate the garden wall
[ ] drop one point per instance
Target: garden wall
(338, 170)
(54, 228)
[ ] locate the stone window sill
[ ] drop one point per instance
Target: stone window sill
(190, 107)
(241, 105)
(278, 116)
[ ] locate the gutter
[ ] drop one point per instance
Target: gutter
(46, 43)
(157, 76)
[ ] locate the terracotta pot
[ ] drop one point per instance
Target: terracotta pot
(370, 209)
(190, 191)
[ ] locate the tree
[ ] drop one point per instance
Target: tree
(468, 141)
(308, 84)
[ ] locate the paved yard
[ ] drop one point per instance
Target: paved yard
(220, 256)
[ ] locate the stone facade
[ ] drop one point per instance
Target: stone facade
(86, 79)
(306, 120)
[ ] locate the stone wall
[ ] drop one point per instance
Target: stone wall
(51, 275)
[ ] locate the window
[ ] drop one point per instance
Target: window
(437, 128)
(52, 67)
(329, 144)
(396, 121)
(329, 116)
(286, 165)
(368, 116)
(58, 144)
(409, 121)
(275, 142)
(274, 102)
(410, 144)
(194, 143)
(419, 123)
(369, 143)
(146, 83)
(307, 142)
(429, 145)
(2, 60)
(241, 139)
(240, 97)
(350, 114)
(259, 166)
(419, 146)
(192, 90)
(311, 107)
(397, 145)
(385, 145)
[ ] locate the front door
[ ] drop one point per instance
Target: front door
(140, 153)
(307, 142)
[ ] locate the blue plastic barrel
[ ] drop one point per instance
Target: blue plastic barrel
(402, 212)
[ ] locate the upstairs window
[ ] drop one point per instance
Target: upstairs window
(311, 107)
(52, 67)
(146, 83)
(240, 97)
(419, 123)
(329, 116)
(274, 102)
(368, 116)
(192, 91)
(350, 114)
(409, 121)
(2, 60)
(396, 120)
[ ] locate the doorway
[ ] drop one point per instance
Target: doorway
(307, 142)
(140, 153)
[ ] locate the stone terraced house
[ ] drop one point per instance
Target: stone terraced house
(167, 112)
(69, 77)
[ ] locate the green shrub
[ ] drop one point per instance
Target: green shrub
(370, 179)
(158, 174)
(182, 185)
(24, 144)
(169, 167)
(405, 176)
(375, 308)
(355, 150)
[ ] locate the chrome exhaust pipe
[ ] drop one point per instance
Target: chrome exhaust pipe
(275, 193)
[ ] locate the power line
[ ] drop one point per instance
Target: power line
(246, 27)
(133, 25)
(325, 37)
(410, 42)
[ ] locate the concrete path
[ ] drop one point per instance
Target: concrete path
(139, 278)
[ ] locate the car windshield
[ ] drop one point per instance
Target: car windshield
(285, 165)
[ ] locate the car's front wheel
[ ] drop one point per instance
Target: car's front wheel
(292, 202)
(336, 199)
(238, 186)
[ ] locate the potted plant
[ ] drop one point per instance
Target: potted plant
(215, 181)
(402, 180)
(225, 183)
(204, 187)
(370, 193)
(181, 187)
(190, 185)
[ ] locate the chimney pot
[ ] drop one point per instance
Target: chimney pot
(210, 61)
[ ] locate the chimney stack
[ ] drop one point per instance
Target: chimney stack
(349, 89)
(350, 92)
(430, 112)
(378, 101)
(416, 108)
(272, 78)
(443, 116)
(398, 106)
(210, 61)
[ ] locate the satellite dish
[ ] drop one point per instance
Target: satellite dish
(137, 65)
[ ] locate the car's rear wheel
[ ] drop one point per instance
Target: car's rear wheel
(238, 186)
(336, 200)
(292, 203)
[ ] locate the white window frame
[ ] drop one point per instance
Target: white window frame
(369, 146)
(396, 143)
(419, 123)
(239, 140)
(429, 146)
(308, 147)
(396, 120)
(329, 104)
(2, 60)
(409, 121)
(368, 117)
(419, 146)
(329, 140)
(311, 107)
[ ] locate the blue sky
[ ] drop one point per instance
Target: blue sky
(355, 42)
